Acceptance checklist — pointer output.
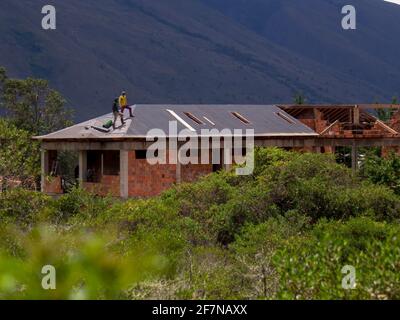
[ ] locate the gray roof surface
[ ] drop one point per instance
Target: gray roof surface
(264, 119)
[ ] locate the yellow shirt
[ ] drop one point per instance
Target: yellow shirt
(123, 101)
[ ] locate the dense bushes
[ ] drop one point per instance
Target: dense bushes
(22, 207)
(310, 267)
(86, 267)
(19, 157)
(384, 171)
(284, 232)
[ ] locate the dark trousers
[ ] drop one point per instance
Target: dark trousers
(129, 108)
(116, 115)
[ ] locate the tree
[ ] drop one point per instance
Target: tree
(384, 171)
(299, 98)
(386, 114)
(33, 106)
(3, 77)
(19, 157)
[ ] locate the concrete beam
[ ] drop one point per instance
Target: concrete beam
(332, 142)
(283, 142)
(76, 146)
(123, 174)
(360, 142)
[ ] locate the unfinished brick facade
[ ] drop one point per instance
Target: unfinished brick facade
(108, 186)
(144, 179)
(114, 163)
(148, 180)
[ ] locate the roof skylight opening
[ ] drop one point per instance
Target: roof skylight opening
(285, 117)
(240, 117)
(208, 120)
(193, 118)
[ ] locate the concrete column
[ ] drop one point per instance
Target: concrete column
(82, 165)
(354, 157)
(123, 173)
(178, 173)
(44, 155)
(178, 169)
(227, 157)
(356, 115)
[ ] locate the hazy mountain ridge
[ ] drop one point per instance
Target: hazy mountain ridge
(190, 51)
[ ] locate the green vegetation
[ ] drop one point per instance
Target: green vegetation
(299, 98)
(31, 105)
(383, 171)
(19, 157)
(31, 108)
(285, 232)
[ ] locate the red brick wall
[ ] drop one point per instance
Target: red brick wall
(317, 125)
(193, 172)
(395, 121)
(148, 180)
(144, 180)
(109, 185)
(52, 185)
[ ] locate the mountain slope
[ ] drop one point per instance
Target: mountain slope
(178, 51)
(312, 29)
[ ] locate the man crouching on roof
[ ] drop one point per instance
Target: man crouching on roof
(116, 113)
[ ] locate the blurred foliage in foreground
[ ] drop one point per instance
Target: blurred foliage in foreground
(283, 233)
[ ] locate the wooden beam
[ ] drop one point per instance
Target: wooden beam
(329, 127)
(386, 127)
(356, 115)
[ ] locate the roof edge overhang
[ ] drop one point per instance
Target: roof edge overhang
(344, 106)
(139, 137)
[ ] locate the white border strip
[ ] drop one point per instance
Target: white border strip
(187, 125)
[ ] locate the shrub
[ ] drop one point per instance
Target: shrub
(79, 204)
(19, 156)
(384, 171)
(22, 207)
(310, 266)
(195, 199)
(284, 232)
(211, 274)
(316, 186)
(86, 268)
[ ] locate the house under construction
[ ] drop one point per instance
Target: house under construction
(114, 161)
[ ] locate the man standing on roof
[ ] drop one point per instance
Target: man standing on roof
(123, 103)
(116, 113)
